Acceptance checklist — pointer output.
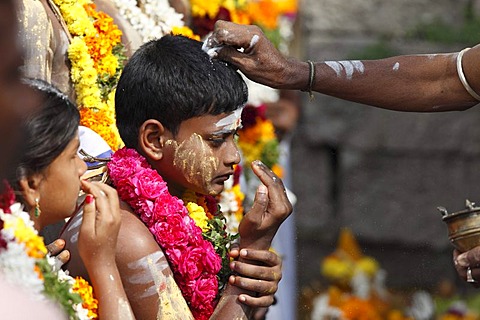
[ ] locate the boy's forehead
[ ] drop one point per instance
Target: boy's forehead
(230, 121)
(207, 124)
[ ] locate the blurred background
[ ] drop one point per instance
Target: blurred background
(382, 174)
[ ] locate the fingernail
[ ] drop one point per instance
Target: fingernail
(258, 163)
(262, 189)
(243, 252)
(462, 260)
(232, 265)
(88, 199)
(242, 298)
(59, 242)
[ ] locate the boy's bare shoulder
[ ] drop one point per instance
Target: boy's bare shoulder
(135, 241)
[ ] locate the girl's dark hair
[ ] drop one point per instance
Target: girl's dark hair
(47, 130)
(172, 79)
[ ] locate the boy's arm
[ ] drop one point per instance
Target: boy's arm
(145, 273)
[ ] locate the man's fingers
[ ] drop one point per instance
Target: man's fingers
(235, 35)
(262, 287)
(266, 257)
(256, 302)
(234, 251)
(257, 272)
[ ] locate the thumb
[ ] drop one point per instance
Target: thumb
(259, 205)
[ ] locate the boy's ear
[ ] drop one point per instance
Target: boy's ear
(151, 139)
(30, 189)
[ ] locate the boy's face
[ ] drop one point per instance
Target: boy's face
(202, 154)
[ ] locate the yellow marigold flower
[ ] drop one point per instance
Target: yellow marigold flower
(368, 265)
(108, 65)
(198, 215)
(185, 31)
(250, 151)
(202, 8)
(91, 54)
(337, 270)
(287, 6)
(34, 244)
(89, 101)
(86, 293)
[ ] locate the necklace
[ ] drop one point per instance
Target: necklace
(191, 236)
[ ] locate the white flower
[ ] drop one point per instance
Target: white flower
(322, 309)
(19, 269)
(150, 18)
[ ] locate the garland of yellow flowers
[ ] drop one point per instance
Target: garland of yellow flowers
(96, 57)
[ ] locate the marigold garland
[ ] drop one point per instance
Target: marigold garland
(25, 262)
(96, 55)
(193, 255)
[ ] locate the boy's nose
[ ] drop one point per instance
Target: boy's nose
(232, 156)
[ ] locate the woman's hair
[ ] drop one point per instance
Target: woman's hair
(172, 79)
(46, 131)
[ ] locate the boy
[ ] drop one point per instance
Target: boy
(178, 111)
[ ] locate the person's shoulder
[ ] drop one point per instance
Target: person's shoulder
(134, 239)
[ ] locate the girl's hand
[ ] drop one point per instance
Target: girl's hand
(98, 234)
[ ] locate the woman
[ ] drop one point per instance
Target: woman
(47, 182)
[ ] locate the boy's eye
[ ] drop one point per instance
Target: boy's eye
(216, 142)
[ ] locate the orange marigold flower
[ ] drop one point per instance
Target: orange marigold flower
(85, 291)
(358, 309)
(263, 130)
(278, 170)
(264, 12)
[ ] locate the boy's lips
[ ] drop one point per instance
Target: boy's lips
(224, 177)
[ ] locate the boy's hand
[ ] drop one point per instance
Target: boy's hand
(270, 208)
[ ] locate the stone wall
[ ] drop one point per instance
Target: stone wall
(379, 172)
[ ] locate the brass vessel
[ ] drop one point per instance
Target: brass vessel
(463, 226)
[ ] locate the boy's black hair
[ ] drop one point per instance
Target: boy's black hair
(47, 131)
(172, 79)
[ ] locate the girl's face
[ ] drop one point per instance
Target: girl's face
(60, 185)
(202, 155)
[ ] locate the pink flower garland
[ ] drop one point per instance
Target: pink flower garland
(194, 262)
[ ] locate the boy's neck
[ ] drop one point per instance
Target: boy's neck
(174, 189)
